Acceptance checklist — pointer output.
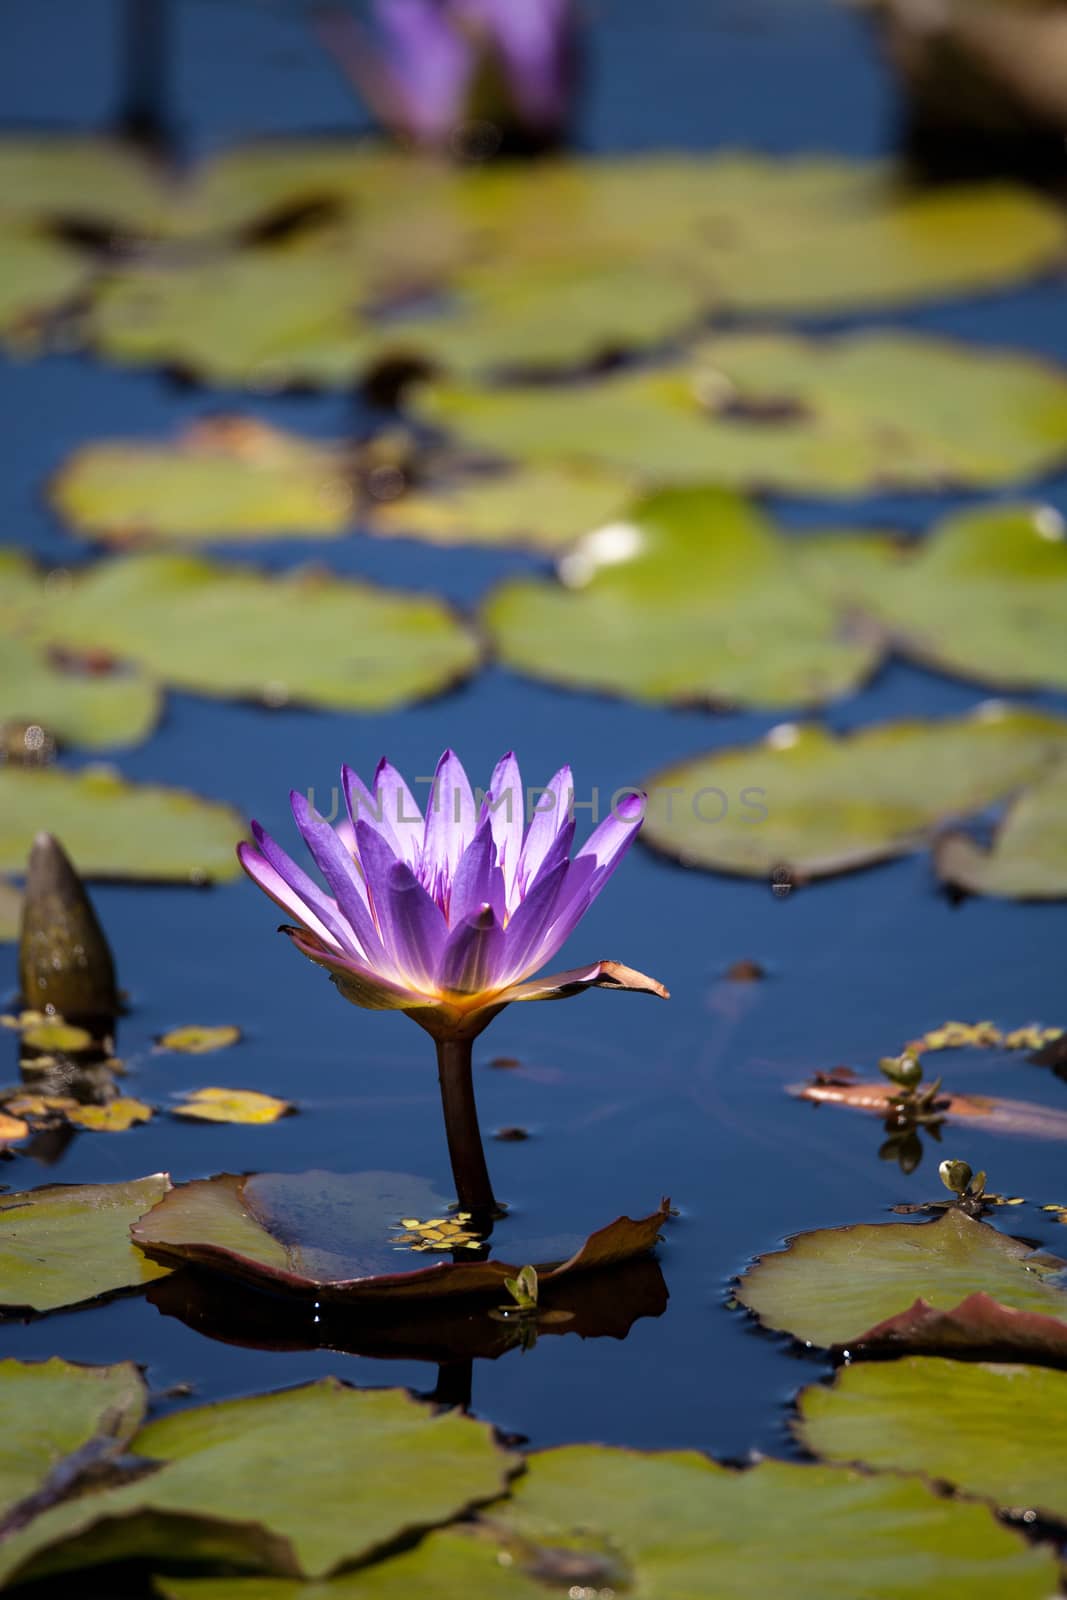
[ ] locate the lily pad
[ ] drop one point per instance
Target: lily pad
(196, 1040)
(544, 506)
(676, 1523)
(1028, 856)
(61, 1421)
(338, 1237)
(777, 411)
(116, 1116)
(813, 803)
(302, 1481)
(836, 1286)
(38, 276)
(982, 597)
(989, 1430)
(232, 1105)
(990, 1113)
(690, 597)
(115, 829)
(92, 708)
(230, 477)
(305, 637)
(65, 1244)
(60, 178)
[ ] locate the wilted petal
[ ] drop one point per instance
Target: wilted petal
(340, 872)
(450, 825)
(473, 955)
(551, 814)
(601, 975)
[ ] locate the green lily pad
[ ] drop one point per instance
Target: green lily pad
(692, 596)
(329, 1474)
(195, 1039)
(336, 1236)
(38, 276)
(223, 478)
(983, 596)
(60, 1420)
(115, 829)
(1028, 857)
(65, 1244)
(777, 411)
(97, 710)
(60, 178)
(835, 1286)
(543, 506)
(678, 1524)
(10, 912)
(814, 803)
(303, 637)
(989, 1430)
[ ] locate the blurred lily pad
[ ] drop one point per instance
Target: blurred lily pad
(690, 597)
(983, 596)
(61, 1422)
(73, 701)
(65, 1244)
(53, 1033)
(988, 1430)
(227, 477)
(225, 631)
(839, 1286)
(300, 1481)
(232, 1105)
(115, 829)
(75, 179)
(811, 803)
(197, 1040)
(777, 411)
(336, 1236)
(990, 1113)
(1027, 859)
(676, 1523)
(544, 506)
(10, 911)
(39, 275)
(115, 1116)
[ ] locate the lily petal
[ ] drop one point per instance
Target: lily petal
(270, 880)
(473, 954)
(360, 984)
(450, 825)
(401, 811)
(340, 872)
(305, 888)
(505, 808)
(551, 815)
(413, 930)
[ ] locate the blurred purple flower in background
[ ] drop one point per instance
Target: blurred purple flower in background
(465, 75)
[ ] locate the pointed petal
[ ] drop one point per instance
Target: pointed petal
(551, 815)
(470, 889)
(400, 811)
(270, 880)
(450, 824)
(531, 921)
(609, 843)
(601, 975)
(305, 888)
(473, 955)
(414, 930)
(340, 872)
(504, 806)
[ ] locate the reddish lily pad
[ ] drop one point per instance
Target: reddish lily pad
(989, 1112)
(337, 1237)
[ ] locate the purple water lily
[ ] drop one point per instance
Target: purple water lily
(446, 918)
(428, 68)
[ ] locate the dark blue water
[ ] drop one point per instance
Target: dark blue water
(627, 1098)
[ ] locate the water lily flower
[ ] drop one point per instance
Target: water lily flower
(430, 69)
(446, 918)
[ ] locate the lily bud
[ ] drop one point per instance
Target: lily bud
(955, 1175)
(904, 1070)
(65, 961)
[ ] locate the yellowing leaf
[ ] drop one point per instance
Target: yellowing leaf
(232, 1105)
(196, 1040)
(115, 1117)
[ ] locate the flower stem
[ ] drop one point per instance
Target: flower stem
(469, 1171)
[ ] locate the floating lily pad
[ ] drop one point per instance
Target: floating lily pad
(59, 178)
(994, 1431)
(10, 911)
(676, 1523)
(302, 1481)
(228, 478)
(1027, 859)
(337, 1237)
(196, 1040)
(814, 803)
(232, 1105)
(116, 1116)
(53, 1033)
(97, 709)
(38, 276)
(990, 1113)
(60, 1422)
(65, 1244)
(691, 596)
(224, 631)
(543, 506)
(777, 411)
(115, 829)
(838, 1286)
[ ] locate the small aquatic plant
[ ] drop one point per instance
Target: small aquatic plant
(447, 917)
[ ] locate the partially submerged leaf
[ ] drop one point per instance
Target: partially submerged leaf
(115, 829)
(332, 1236)
(990, 1113)
(993, 1431)
(197, 1040)
(65, 1244)
(1027, 859)
(836, 1286)
(115, 1116)
(12, 1129)
(812, 803)
(232, 1105)
(305, 637)
(690, 597)
(55, 1034)
(777, 411)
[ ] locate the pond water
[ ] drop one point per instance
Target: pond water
(626, 1099)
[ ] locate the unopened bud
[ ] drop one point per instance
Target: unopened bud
(904, 1070)
(65, 962)
(955, 1175)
